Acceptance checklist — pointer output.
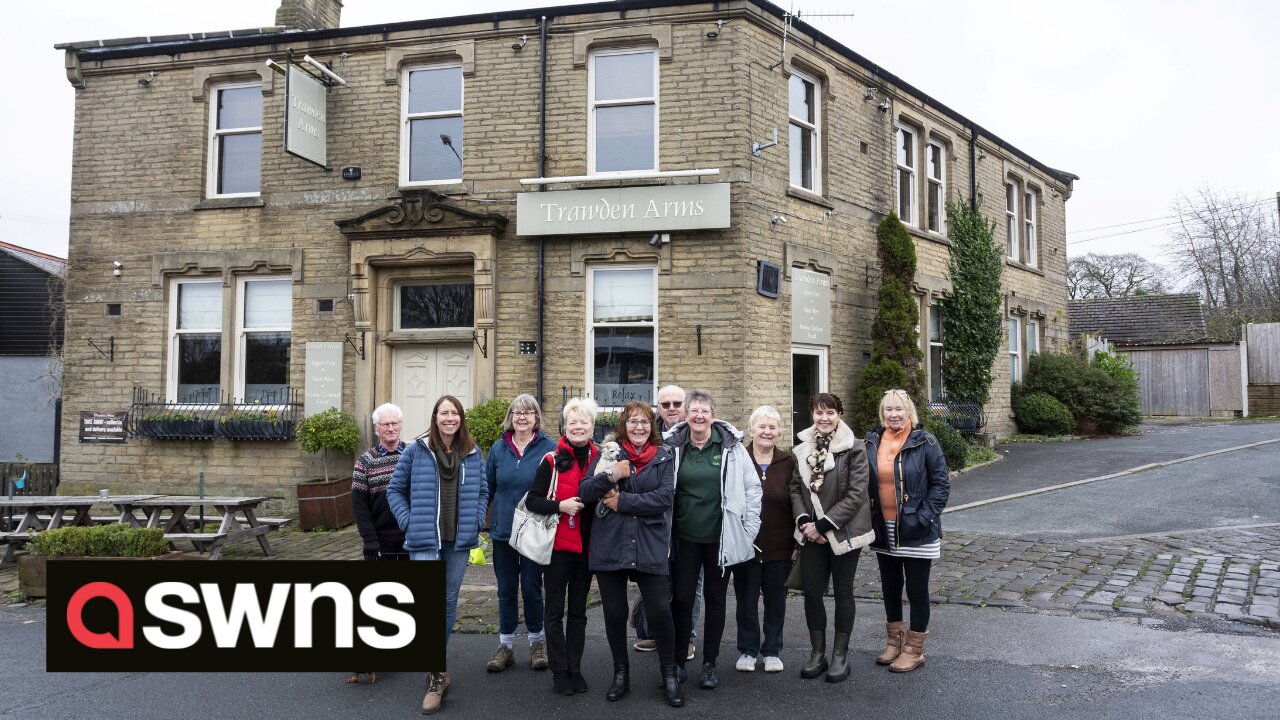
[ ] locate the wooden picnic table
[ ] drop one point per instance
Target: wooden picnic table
(50, 512)
(171, 513)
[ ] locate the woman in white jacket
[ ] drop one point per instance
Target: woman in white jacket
(716, 518)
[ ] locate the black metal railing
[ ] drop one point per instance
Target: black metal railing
(967, 417)
(273, 415)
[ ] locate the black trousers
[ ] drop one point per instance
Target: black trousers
(657, 607)
(915, 572)
(692, 559)
(749, 580)
(817, 565)
(566, 581)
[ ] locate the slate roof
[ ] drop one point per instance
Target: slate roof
(48, 263)
(1140, 320)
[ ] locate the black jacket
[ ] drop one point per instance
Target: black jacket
(638, 535)
(922, 486)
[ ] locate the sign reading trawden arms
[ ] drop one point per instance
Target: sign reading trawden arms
(628, 209)
(305, 116)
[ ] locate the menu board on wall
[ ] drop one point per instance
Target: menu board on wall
(323, 388)
(810, 307)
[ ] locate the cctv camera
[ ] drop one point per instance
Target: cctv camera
(117, 264)
(659, 239)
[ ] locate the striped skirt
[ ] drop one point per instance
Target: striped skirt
(931, 551)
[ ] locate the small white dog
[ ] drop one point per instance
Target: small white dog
(610, 453)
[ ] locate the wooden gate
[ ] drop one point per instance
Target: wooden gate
(1263, 340)
(1175, 381)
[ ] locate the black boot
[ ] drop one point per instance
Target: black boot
(578, 682)
(621, 683)
(671, 686)
(560, 682)
(817, 657)
(839, 670)
(709, 680)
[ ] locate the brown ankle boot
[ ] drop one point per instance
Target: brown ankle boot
(912, 655)
(894, 647)
(437, 683)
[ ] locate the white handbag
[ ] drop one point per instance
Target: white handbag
(533, 534)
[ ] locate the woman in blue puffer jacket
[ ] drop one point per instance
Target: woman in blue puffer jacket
(439, 496)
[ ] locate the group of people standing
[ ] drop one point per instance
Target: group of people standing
(675, 503)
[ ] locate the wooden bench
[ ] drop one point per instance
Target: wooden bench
(203, 542)
(12, 542)
(215, 520)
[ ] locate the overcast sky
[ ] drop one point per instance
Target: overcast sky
(1141, 99)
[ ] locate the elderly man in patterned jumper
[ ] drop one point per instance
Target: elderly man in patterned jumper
(383, 539)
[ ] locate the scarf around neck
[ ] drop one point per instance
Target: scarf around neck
(817, 459)
(639, 458)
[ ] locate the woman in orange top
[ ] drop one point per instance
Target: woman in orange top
(909, 488)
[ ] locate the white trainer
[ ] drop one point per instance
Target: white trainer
(746, 663)
(772, 663)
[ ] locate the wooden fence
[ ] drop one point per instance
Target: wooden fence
(37, 478)
(1174, 381)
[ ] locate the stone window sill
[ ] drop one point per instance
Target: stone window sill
(228, 203)
(926, 235)
(1023, 266)
(816, 199)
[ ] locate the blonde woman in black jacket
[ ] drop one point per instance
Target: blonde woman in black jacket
(833, 523)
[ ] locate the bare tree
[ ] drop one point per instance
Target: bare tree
(1098, 275)
(1226, 246)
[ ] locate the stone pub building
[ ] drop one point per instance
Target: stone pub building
(599, 198)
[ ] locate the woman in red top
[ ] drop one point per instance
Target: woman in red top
(568, 577)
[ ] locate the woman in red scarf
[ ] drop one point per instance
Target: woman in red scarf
(630, 541)
(568, 577)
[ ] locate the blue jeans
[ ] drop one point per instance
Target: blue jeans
(455, 569)
(518, 576)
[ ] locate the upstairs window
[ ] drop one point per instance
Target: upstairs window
(804, 116)
(435, 306)
(235, 141)
(905, 188)
(431, 133)
(1011, 220)
(935, 208)
(1031, 202)
(623, 111)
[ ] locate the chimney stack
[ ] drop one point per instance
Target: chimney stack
(309, 14)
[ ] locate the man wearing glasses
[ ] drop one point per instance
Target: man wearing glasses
(671, 408)
(383, 539)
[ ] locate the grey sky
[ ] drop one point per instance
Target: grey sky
(1143, 100)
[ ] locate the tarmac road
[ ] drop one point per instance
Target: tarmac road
(982, 664)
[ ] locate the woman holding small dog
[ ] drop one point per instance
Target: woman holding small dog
(567, 579)
(909, 489)
(631, 541)
(833, 518)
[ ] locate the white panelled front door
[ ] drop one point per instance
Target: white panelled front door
(421, 374)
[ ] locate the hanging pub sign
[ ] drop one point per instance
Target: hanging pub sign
(305, 115)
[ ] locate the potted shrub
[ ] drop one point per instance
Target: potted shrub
(175, 425)
(484, 421)
(327, 502)
(255, 425)
(117, 541)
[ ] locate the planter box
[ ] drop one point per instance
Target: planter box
(254, 430)
(325, 504)
(33, 570)
(176, 429)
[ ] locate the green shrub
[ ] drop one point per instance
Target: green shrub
(484, 421)
(331, 429)
(1042, 414)
(978, 454)
(115, 540)
(877, 376)
(1112, 389)
(954, 447)
(972, 318)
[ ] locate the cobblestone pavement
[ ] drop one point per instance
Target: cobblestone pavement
(1225, 580)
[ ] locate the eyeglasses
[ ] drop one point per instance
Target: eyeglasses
(389, 424)
(671, 404)
(638, 422)
(523, 413)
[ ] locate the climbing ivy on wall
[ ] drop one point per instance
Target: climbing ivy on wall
(972, 323)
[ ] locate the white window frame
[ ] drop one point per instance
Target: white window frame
(936, 185)
(241, 334)
(171, 381)
(815, 128)
(591, 324)
(211, 180)
(1030, 210)
(1014, 333)
(406, 122)
(647, 100)
(1031, 346)
(1013, 246)
(935, 309)
(909, 217)
(821, 352)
